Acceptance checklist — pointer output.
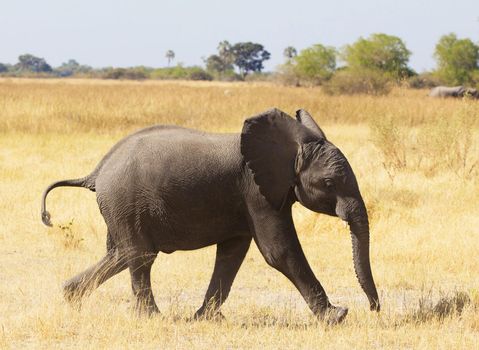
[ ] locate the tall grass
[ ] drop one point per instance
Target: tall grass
(445, 143)
(424, 223)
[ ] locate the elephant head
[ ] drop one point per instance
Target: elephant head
(293, 160)
(472, 93)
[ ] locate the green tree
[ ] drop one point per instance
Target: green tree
(72, 67)
(386, 53)
(217, 65)
(3, 68)
(457, 59)
(32, 63)
(249, 57)
(315, 64)
(170, 56)
(221, 64)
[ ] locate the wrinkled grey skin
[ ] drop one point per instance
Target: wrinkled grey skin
(167, 188)
(456, 91)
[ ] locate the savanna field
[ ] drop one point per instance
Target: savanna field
(417, 163)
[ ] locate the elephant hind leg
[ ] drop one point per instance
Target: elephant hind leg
(85, 282)
(140, 264)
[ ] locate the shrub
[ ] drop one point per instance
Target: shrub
(286, 75)
(258, 77)
(391, 143)
(125, 73)
(446, 143)
(461, 153)
(181, 72)
(198, 73)
(365, 81)
(423, 81)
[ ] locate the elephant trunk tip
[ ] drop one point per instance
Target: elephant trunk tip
(46, 218)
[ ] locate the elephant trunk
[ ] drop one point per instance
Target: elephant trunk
(360, 239)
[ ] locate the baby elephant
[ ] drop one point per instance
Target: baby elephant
(167, 188)
(456, 91)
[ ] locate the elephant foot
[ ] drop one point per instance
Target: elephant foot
(334, 315)
(208, 314)
(148, 309)
(73, 293)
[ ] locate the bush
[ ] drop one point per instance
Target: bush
(444, 144)
(286, 75)
(181, 72)
(365, 81)
(260, 76)
(423, 81)
(125, 73)
(391, 143)
(198, 73)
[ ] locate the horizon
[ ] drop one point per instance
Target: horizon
(126, 33)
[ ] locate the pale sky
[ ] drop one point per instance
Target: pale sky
(139, 32)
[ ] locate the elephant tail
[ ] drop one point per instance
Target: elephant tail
(82, 182)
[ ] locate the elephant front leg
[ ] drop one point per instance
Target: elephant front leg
(278, 243)
(229, 256)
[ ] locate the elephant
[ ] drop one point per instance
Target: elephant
(472, 93)
(456, 91)
(168, 188)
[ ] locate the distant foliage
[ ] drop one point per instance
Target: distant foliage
(259, 76)
(249, 57)
(179, 72)
(198, 73)
(3, 68)
(385, 53)
(219, 67)
(72, 67)
(286, 75)
(457, 60)
(316, 64)
(424, 81)
(30, 63)
(358, 81)
(125, 73)
(313, 66)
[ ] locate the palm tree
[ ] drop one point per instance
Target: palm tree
(170, 55)
(225, 52)
(289, 53)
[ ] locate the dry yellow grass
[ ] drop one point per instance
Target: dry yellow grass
(424, 224)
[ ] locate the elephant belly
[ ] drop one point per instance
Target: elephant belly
(195, 228)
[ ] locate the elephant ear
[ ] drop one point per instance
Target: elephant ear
(307, 120)
(269, 144)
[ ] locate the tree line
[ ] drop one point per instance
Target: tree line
(369, 65)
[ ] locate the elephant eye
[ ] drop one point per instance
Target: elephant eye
(329, 184)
